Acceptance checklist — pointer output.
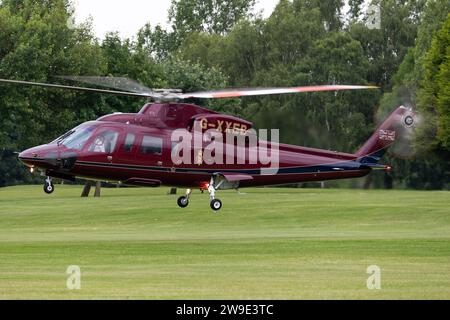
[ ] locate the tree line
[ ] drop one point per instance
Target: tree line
(214, 44)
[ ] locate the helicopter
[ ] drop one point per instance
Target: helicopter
(176, 144)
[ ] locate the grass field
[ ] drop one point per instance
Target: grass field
(265, 244)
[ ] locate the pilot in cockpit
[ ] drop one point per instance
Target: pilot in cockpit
(99, 144)
(104, 142)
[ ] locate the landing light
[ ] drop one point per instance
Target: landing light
(204, 186)
(31, 169)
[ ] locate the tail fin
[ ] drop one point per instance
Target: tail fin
(385, 135)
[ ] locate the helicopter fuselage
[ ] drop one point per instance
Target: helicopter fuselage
(142, 153)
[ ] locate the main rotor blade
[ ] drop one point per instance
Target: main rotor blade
(119, 83)
(268, 91)
(134, 89)
(59, 86)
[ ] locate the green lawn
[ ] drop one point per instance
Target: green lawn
(264, 244)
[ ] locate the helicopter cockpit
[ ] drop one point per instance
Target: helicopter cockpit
(70, 143)
(75, 138)
(105, 142)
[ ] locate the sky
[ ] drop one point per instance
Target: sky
(127, 17)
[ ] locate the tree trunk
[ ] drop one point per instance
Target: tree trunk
(86, 189)
(98, 187)
(367, 182)
(388, 181)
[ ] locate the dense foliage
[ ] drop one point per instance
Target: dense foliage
(215, 44)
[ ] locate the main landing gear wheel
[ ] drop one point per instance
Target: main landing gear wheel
(48, 186)
(183, 202)
(216, 204)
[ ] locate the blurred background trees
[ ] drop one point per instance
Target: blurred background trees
(215, 44)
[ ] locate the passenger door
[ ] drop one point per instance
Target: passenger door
(102, 146)
(126, 152)
(150, 150)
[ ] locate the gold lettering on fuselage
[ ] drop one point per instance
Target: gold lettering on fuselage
(219, 125)
(199, 157)
(228, 124)
(224, 126)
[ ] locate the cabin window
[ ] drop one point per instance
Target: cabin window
(151, 145)
(104, 142)
(129, 141)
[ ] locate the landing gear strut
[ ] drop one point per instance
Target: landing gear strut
(215, 204)
(48, 186)
(183, 201)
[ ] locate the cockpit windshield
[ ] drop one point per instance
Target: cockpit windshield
(61, 138)
(76, 138)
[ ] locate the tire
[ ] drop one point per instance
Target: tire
(216, 204)
(183, 202)
(49, 188)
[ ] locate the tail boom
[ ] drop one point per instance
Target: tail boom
(384, 137)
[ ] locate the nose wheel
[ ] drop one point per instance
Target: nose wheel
(183, 201)
(48, 186)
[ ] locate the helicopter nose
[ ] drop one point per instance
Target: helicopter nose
(48, 157)
(28, 157)
(41, 156)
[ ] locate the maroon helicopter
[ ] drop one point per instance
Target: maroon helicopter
(141, 148)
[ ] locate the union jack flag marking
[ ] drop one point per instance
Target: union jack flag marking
(387, 135)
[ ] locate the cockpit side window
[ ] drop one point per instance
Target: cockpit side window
(105, 141)
(77, 138)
